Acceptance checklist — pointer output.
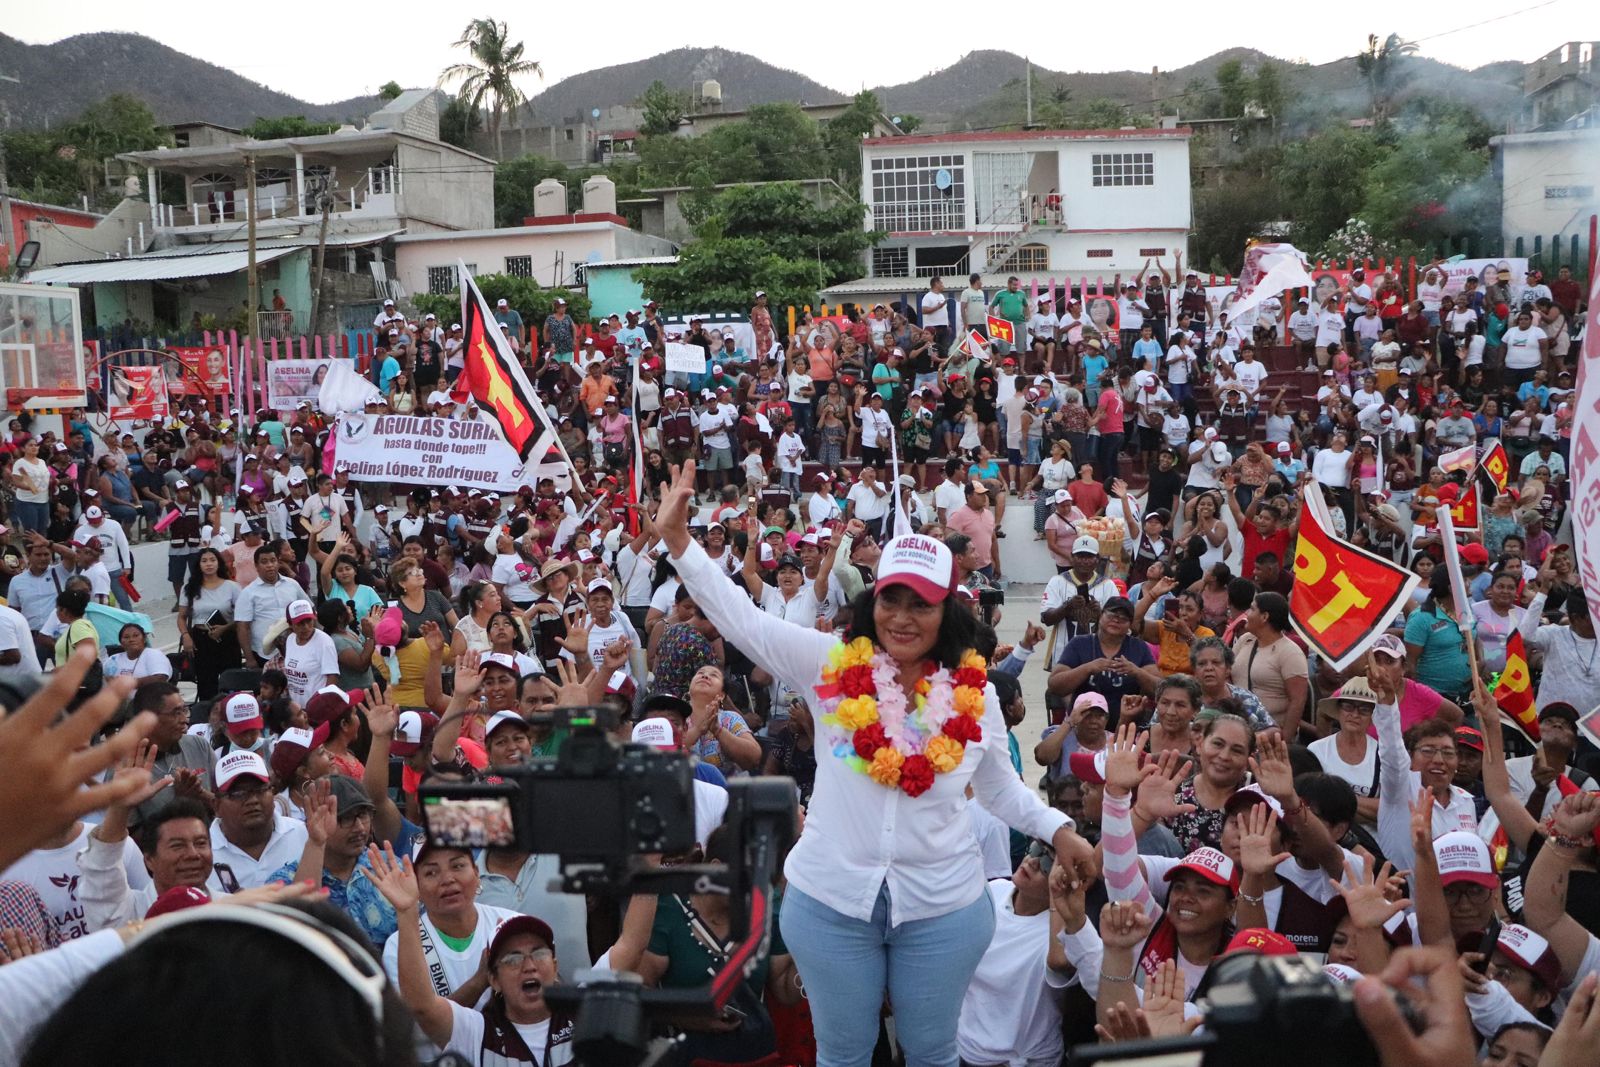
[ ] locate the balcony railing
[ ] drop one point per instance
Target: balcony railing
(378, 191)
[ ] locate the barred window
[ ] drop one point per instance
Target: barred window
(519, 266)
(1029, 258)
(891, 262)
(919, 193)
(1123, 168)
(441, 280)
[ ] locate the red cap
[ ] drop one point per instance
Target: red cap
(1261, 942)
(178, 898)
(1449, 492)
(1471, 738)
(1211, 865)
(1088, 767)
(519, 924)
(1475, 554)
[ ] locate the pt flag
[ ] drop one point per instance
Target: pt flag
(1001, 330)
(492, 376)
(1494, 469)
(1514, 691)
(1461, 459)
(1464, 512)
(1584, 455)
(1343, 595)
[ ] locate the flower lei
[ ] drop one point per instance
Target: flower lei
(875, 733)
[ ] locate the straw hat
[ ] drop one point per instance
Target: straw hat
(554, 566)
(1355, 688)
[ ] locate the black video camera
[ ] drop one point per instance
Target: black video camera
(594, 804)
(1255, 1008)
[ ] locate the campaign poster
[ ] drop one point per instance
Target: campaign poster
(1510, 272)
(136, 393)
(289, 381)
(207, 363)
(1103, 315)
(1219, 302)
(420, 450)
(685, 358)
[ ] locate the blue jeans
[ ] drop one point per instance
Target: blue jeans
(31, 516)
(847, 964)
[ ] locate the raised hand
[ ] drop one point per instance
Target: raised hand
(1164, 1000)
(571, 693)
(1032, 634)
(1578, 815)
(1124, 924)
(469, 674)
(1366, 896)
(1125, 768)
(615, 655)
(1068, 897)
(1255, 841)
(322, 812)
(1132, 707)
(578, 629)
(381, 718)
(672, 518)
(1385, 677)
(144, 761)
(1578, 1030)
(1156, 798)
(394, 877)
(1272, 768)
(433, 637)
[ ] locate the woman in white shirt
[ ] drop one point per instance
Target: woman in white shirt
(1349, 752)
(30, 481)
(888, 871)
(137, 659)
(1054, 473)
(1331, 468)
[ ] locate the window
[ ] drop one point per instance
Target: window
(1098, 253)
(441, 280)
(940, 260)
(1029, 257)
(569, 133)
(907, 194)
(519, 266)
(1153, 253)
(891, 262)
(1123, 168)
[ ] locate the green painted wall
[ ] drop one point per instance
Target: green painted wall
(612, 291)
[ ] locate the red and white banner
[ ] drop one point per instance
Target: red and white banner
(1343, 596)
(207, 363)
(1585, 453)
(136, 393)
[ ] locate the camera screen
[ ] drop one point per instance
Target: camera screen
(577, 817)
(470, 822)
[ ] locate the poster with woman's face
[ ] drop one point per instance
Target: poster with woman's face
(1103, 315)
(208, 363)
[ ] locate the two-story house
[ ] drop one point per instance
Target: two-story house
(1039, 204)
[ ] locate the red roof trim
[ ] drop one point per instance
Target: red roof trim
(1028, 135)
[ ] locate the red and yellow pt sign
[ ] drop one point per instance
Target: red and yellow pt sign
(1342, 594)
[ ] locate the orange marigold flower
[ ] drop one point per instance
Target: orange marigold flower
(885, 766)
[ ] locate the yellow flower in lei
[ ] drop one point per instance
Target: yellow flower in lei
(885, 766)
(969, 701)
(855, 712)
(944, 753)
(857, 653)
(975, 661)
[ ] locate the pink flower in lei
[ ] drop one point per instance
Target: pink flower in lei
(892, 709)
(941, 700)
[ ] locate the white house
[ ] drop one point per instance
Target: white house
(1036, 203)
(1548, 182)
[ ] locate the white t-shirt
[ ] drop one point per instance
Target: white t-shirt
(797, 382)
(1251, 373)
(1175, 430)
(504, 572)
(152, 662)
(933, 305)
(1178, 365)
(714, 423)
(1330, 327)
(800, 609)
(307, 666)
(14, 634)
(821, 508)
(1332, 468)
(950, 496)
(37, 473)
(1203, 466)
(791, 453)
(458, 967)
(466, 1038)
(1431, 295)
(868, 505)
(1522, 348)
(1043, 327)
(54, 875)
(1363, 776)
(1011, 1012)
(601, 636)
(875, 428)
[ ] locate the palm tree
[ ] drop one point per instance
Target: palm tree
(496, 65)
(1383, 65)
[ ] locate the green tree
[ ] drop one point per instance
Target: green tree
(771, 237)
(1433, 186)
(514, 180)
(119, 123)
(493, 73)
(1386, 67)
(664, 109)
(1324, 181)
(908, 123)
(1229, 215)
(1272, 90)
(1103, 114)
(1233, 87)
(458, 122)
(263, 129)
(524, 295)
(775, 142)
(389, 90)
(843, 135)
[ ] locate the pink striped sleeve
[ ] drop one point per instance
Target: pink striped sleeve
(1123, 873)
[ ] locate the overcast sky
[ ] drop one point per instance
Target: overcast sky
(330, 51)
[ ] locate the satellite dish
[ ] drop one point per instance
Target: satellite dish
(595, 113)
(942, 179)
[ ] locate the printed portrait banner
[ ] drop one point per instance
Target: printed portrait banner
(1222, 300)
(289, 381)
(208, 363)
(1343, 595)
(1513, 272)
(137, 393)
(419, 450)
(685, 359)
(1584, 458)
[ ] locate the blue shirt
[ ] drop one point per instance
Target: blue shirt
(1443, 663)
(357, 898)
(1093, 367)
(1147, 353)
(362, 603)
(1527, 389)
(387, 372)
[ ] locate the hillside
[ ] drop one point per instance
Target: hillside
(177, 87)
(745, 80)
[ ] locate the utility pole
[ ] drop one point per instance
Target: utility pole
(253, 299)
(325, 201)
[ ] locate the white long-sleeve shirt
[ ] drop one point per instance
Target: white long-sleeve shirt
(103, 890)
(1398, 786)
(859, 834)
(32, 988)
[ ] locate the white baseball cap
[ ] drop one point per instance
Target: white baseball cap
(502, 718)
(924, 564)
(243, 713)
(1085, 543)
(240, 764)
(1061, 497)
(655, 732)
(1463, 857)
(502, 302)
(299, 610)
(92, 513)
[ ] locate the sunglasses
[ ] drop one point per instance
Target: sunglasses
(1044, 853)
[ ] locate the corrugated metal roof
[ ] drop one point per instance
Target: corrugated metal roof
(153, 268)
(335, 240)
(637, 261)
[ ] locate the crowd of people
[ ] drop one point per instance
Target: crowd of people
(772, 600)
